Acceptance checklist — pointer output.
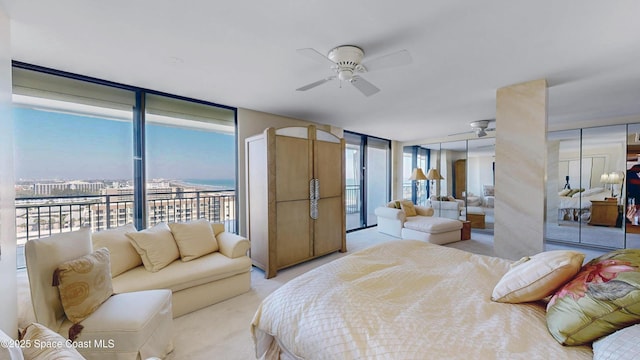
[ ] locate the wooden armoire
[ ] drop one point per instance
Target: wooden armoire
(295, 196)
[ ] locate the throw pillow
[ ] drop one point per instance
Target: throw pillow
(488, 190)
(84, 284)
(622, 344)
(123, 255)
(536, 277)
(156, 246)
(602, 298)
(51, 344)
(194, 238)
(408, 208)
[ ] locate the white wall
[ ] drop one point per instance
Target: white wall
(480, 172)
(8, 290)
(251, 123)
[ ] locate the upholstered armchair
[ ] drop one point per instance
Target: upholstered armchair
(135, 325)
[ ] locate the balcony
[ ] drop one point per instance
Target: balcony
(38, 217)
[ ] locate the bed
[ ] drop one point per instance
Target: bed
(578, 206)
(404, 299)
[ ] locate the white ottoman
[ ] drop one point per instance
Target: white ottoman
(436, 230)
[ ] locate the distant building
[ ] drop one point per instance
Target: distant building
(79, 186)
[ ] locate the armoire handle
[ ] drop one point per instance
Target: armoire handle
(314, 194)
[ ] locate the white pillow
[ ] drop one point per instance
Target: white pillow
(9, 348)
(622, 344)
(156, 246)
(52, 345)
(536, 277)
(123, 255)
(194, 238)
(592, 191)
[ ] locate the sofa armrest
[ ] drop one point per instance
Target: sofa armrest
(390, 213)
(424, 210)
(232, 245)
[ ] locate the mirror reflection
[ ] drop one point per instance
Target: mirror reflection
(585, 186)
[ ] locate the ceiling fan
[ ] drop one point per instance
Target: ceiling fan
(479, 127)
(346, 62)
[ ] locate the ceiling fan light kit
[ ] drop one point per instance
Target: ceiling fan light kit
(479, 127)
(346, 62)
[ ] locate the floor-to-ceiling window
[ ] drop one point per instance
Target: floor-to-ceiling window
(415, 157)
(190, 161)
(85, 148)
(368, 186)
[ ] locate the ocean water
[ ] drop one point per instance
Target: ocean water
(220, 184)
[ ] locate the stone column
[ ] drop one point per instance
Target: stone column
(521, 123)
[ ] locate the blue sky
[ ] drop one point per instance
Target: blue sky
(52, 145)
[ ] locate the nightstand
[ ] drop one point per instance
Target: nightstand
(604, 212)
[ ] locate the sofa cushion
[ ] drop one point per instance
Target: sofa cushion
(46, 344)
(43, 256)
(432, 225)
(122, 254)
(156, 246)
(84, 283)
(194, 238)
(180, 275)
(408, 208)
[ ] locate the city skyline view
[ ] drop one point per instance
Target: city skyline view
(61, 146)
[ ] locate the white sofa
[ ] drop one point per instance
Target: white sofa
(194, 284)
(449, 209)
(138, 317)
(423, 226)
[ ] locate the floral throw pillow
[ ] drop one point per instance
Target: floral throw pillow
(601, 299)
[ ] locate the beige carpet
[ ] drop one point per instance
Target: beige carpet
(221, 331)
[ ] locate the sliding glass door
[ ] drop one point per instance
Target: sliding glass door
(367, 178)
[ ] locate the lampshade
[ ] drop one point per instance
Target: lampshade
(417, 175)
(433, 174)
(614, 178)
(611, 178)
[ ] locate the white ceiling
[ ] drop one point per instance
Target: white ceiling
(243, 54)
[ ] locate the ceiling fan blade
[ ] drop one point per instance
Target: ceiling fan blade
(315, 55)
(364, 86)
(397, 58)
(314, 84)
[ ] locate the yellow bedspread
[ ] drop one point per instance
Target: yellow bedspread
(403, 300)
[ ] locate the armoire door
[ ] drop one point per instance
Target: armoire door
(293, 223)
(329, 227)
(460, 178)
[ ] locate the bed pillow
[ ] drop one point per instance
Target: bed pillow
(84, 284)
(408, 208)
(122, 254)
(622, 344)
(602, 298)
(156, 246)
(51, 344)
(564, 192)
(194, 238)
(536, 277)
(589, 192)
